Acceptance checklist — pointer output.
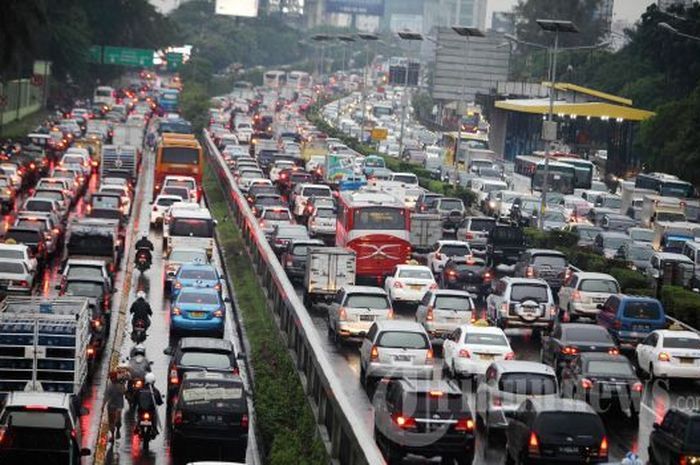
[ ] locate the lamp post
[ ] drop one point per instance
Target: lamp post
(322, 39)
(412, 36)
(549, 127)
(367, 38)
(345, 41)
(465, 32)
(675, 31)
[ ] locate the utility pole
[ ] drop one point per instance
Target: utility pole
(367, 38)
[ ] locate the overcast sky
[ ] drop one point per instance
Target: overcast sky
(630, 10)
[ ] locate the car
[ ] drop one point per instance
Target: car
(554, 219)
(322, 222)
(256, 189)
(630, 318)
(198, 353)
(505, 244)
(272, 217)
(294, 257)
(442, 310)
(187, 182)
(409, 283)
(283, 234)
(179, 256)
(676, 439)
(19, 252)
(425, 202)
(547, 264)
(617, 222)
(37, 425)
(77, 268)
(470, 274)
(451, 211)
(160, 206)
(604, 381)
(264, 200)
(198, 310)
(123, 192)
(581, 293)
(568, 340)
(303, 192)
(637, 255)
(409, 412)
(586, 233)
(607, 243)
(521, 302)
(31, 237)
(354, 309)
(443, 250)
(211, 412)
(475, 230)
(641, 234)
(671, 354)
(15, 277)
(199, 275)
(395, 349)
(506, 385)
(470, 349)
(556, 431)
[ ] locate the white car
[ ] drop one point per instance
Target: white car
(160, 206)
(303, 192)
(409, 283)
(123, 192)
(355, 309)
(277, 168)
(274, 216)
(18, 252)
(470, 349)
(581, 294)
(667, 353)
(16, 277)
(183, 181)
(443, 251)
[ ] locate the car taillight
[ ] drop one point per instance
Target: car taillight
(569, 350)
(614, 351)
(397, 285)
(465, 424)
(533, 444)
(429, 356)
(177, 285)
(637, 387)
(530, 272)
(90, 351)
(603, 450)
(218, 314)
(429, 315)
(177, 311)
(138, 384)
(404, 422)
(487, 276)
(174, 378)
(146, 416)
(509, 356)
(342, 314)
(664, 357)
(464, 353)
(23, 283)
(617, 324)
(244, 421)
(177, 417)
(469, 236)
(586, 384)
(438, 256)
(433, 286)
(374, 353)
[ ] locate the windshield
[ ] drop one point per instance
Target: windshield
(523, 292)
(198, 298)
(412, 273)
(615, 242)
(325, 213)
(191, 227)
(277, 215)
(570, 424)
(84, 289)
(642, 310)
(599, 285)
(640, 253)
(553, 261)
(379, 218)
(682, 343)
(38, 206)
(403, 340)
(31, 224)
(83, 271)
(642, 235)
(180, 155)
(100, 201)
(205, 359)
(367, 301)
(204, 274)
(405, 178)
(451, 204)
(316, 191)
(166, 201)
(583, 334)
(528, 384)
(453, 302)
(588, 233)
(91, 244)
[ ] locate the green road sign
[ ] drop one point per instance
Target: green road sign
(95, 54)
(174, 60)
(127, 56)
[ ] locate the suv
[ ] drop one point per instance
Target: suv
(547, 264)
(521, 302)
(443, 310)
(426, 202)
(506, 385)
(582, 292)
(294, 257)
(451, 211)
(395, 349)
(475, 230)
(630, 318)
(443, 250)
(38, 425)
(427, 418)
(354, 309)
(505, 244)
(556, 431)
(676, 438)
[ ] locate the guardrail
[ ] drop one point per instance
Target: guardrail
(342, 429)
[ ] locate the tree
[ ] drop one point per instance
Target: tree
(19, 23)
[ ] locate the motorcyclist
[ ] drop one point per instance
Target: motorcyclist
(149, 398)
(141, 309)
(144, 244)
(138, 362)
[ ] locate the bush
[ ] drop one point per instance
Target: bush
(562, 240)
(646, 291)
(587, 260)
(630, 279)
(682, 304)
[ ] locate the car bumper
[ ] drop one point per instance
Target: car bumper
(515, 322)
(295, 271)
(354, 329)
(469, 367)
(179, 323)
(377, 370)
(581, 309)
(672, 370)
(407, 295)
(447, 445)
(222, 437)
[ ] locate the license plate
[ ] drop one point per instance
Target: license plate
(568, 450)
(640, 328)
(529, 310)
(145, 423)
(197, 314)
(416, 287)
(212, 418)
(402, 358)
(366, 317)
(687, 361)
(486, 357)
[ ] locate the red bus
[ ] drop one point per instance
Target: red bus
(376, 226)
(178, 154)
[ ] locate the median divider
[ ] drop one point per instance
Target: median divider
(341, 428)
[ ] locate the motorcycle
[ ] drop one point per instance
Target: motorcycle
(138, 367)
(146, 427)
(138, 331)
(143, 259)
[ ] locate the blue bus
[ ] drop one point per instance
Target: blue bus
(169, 100)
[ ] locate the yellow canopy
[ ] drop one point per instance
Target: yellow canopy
(584, 109)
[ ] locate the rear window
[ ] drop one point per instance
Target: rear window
(405, 178)
(422, 404)
(198, 298)
(507, 235)
(455, 250)
(316, 191)
(196, 273)
(403, 340)
(212, 394)
(23, 236)
(681, 343)
(451, 204)
(642, 310)
(599, 285)
(367, 301)
(325, 213)
(592, 334)
(38, 206)
(482, 225)
(84, 271)
(569, 424)
(165, 201)
(415, 274)
(609, 367)
(452, 302)
(36, 419)
(12, 254)
(277, 215)
(11, 267)
(553, 261)
(485, 339)
(206, 359)
(528, 384)
(523, 292)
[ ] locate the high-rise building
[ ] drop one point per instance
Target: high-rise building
(665, 4)
(605, 13)
(462, 12)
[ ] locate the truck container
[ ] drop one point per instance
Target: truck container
(633, 199)
(129, 133)
(658, 208)
(671, 234)
(426, 230)
(94, 239)
(119, 161)
(44, 344)
(327, 270)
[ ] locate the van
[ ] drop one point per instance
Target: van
(630, 318)
(104, 95)
(188, 224)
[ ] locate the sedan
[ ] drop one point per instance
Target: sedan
(198, 310)
(568, 340)
(179, 256)
(670, 354)
(470, 349)
(409, 283)
(15, 277)
(467, 273)
(199, 275)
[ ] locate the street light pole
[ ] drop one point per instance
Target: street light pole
(412, 36)
(549, 128)
(465, 32)
(345, 41)
(367, 38)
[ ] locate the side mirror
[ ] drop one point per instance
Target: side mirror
(168, 351)
(85, 452)
(240, 356)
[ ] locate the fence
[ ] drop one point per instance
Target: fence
(342, 429)
(20, 98)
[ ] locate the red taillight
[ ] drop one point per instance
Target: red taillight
(429, 315)
(404, 422)
(603, 451)
(530, 272)
(533, 445)
(374, 353)
(637, 387)
(617, 324)
(568, 350)
(586, 384)
(464, 353)
(664, 357)
(23, 283)
(510, 356)
(342, 314)
(429, 356)
(244, 421)
(177, 417)
(614, 351)
(465, 424)
(469, 236)
(174, 378)
(487, 276)
(576, 296)
(398, 285)
(138, 384)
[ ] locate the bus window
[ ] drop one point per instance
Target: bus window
(379, 218)
(180, 155)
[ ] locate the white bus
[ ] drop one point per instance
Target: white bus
(528, 175)
(104, 95)
(274, 79)
(299, 80)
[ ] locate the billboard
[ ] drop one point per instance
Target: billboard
(247, 8)
(363, 7)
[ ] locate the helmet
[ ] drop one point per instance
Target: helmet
(138, 349)
(150, 378)
(140, 295)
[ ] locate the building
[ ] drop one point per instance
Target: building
(445, 13)
(503, 22)
(666, 4)
(364, 15)
(604, 12)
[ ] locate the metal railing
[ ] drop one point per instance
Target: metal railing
(342, 429)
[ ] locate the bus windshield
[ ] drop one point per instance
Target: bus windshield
(180, 155)
(379, 218)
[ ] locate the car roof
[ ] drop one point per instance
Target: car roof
(452, 242)
(513, 280)
(205, 343)
(561, 404)
(592, 275)
(521, 366)
(412, 267)
(197, 265)
(399, 325)
(637, 297)
(364, 290)
(452, 292)
(469, 328)
(588, 356)
(569, 326)
(545, 252)
(677, 333)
